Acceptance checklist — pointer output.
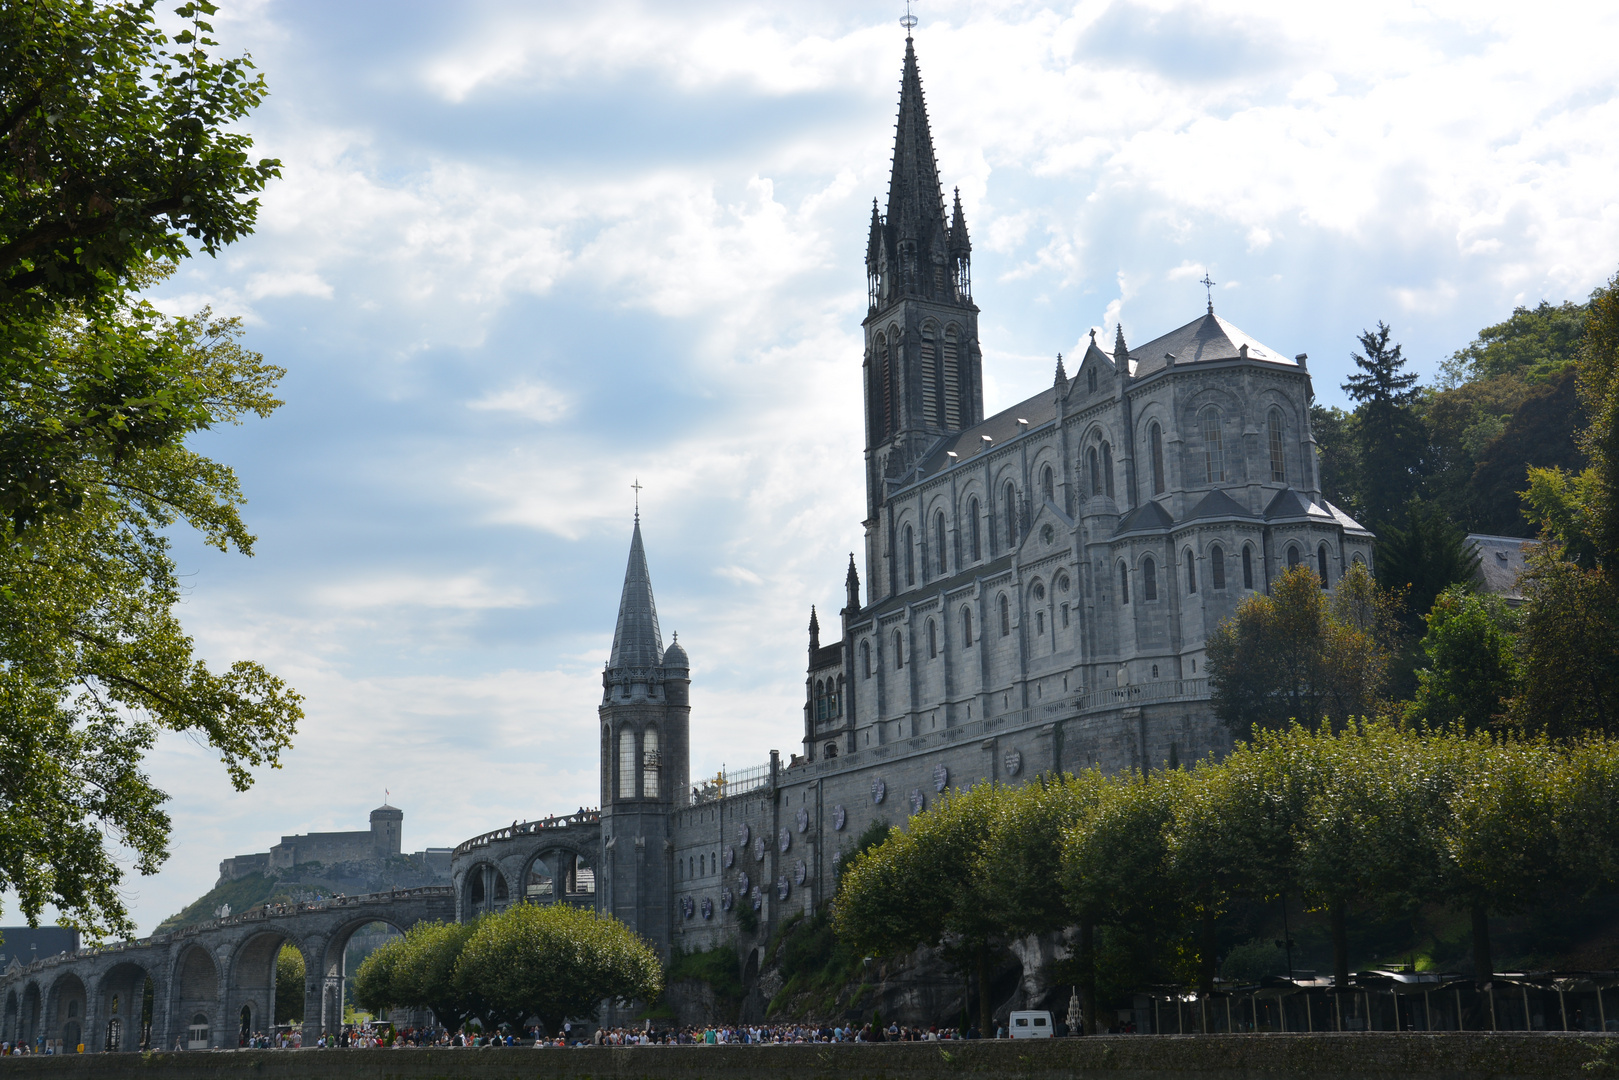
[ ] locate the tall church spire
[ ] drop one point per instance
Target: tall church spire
(915, 199)
(637, 641)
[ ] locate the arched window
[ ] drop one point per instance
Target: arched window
(865, 658)
(896, 362)
(899, 650)
(972, 512)
(818, 701)
(1292, 556)
(1247, 567)
(1040, 624)
(1006, 616)
(1011, 515)
(1048, 484)
(1321, 564)
(1191, 572)
(830, 750)
(1107, 469)
(1213, 448)
(1124, 583)
(910, 557)
(1149, 579)
(884, 389)
(626, 763)
(933, 640)
(837, 697)
(1278, 457)
(1155, 441)
(1217, 567)
(1096, 471)
(966, 627)
(1090, 380)
(938, 541)
(651, 764)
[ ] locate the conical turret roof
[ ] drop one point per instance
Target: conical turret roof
(637, 641)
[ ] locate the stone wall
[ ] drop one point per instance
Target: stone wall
(1239, 1057)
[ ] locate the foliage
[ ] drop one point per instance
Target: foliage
(377, 986)
(1423, 559)
(556, 962)
(1537, 344)
(1472, 671)
(1389, 435)
(117, 152)
(289, 985)
(1298, 654)
(716, 967)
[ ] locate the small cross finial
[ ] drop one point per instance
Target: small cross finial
(1209, 285)
(637, 487)
(909, 21)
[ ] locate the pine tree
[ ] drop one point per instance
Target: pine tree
(1388, 431)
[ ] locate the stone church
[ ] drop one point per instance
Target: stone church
(1039, 586)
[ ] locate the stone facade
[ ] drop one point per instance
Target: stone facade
(383, 841)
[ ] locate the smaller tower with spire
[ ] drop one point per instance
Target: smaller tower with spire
(645, 756)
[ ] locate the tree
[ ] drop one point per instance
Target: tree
(925, 886)
(116, 153)
(1472, 671)
(377, 987)
(1338, 457)
(1422, 560)
(1021, 865)
(1537, 344)
(417, 971)
(289, 985)
(557, 962)
(1388, 432)
(1299, 654)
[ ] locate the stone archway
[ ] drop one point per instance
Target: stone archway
(335, 967)
(13, 1017)
(28, 1018)
(561, 872)
(127, 998)
(195, 999)
(484, 889)
(250, 999)
(66, 1008)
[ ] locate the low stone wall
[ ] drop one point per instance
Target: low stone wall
(1453, 1056)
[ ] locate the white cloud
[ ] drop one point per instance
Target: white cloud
(530, 400)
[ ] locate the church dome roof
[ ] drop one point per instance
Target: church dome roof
(675, 655)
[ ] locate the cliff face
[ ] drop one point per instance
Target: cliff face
(310, 880)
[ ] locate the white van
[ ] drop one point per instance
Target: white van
(1031, 1025)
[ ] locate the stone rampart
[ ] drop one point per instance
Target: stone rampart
(1219, 1057)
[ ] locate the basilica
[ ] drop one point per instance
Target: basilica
(1037, 590)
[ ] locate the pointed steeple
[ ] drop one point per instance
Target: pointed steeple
(1060, 381)
(637, 642)
(814, 630)
(1120, 351)
(851, 584)
(916, 219)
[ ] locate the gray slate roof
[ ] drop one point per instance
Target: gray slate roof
(637, 641)
(1203, 339)
(1501, 560)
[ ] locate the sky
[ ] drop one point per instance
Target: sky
(524, 254)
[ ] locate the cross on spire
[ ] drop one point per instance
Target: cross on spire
(637, 487)
(1209, 285)
(909, 21)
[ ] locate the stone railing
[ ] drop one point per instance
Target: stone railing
(1124, 697)
(527, 828)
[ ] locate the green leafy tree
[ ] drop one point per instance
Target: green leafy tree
(1338, 456)
(1423, 559)
(1021, 866)
(377, 988)
(1299, 654)
(1472, 664)
(289, 985)
(1537, 344)
(1388, 431)
(557, 962)
(117, 153)
(925, 886)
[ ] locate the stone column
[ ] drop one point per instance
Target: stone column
(95, 1016)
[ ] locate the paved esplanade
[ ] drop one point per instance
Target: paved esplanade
(204, 976)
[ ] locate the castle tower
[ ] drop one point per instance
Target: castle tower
(645, 772)
(387, 829)
(923, 367)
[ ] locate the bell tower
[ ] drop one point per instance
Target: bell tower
(923, 368)
(645, 753)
